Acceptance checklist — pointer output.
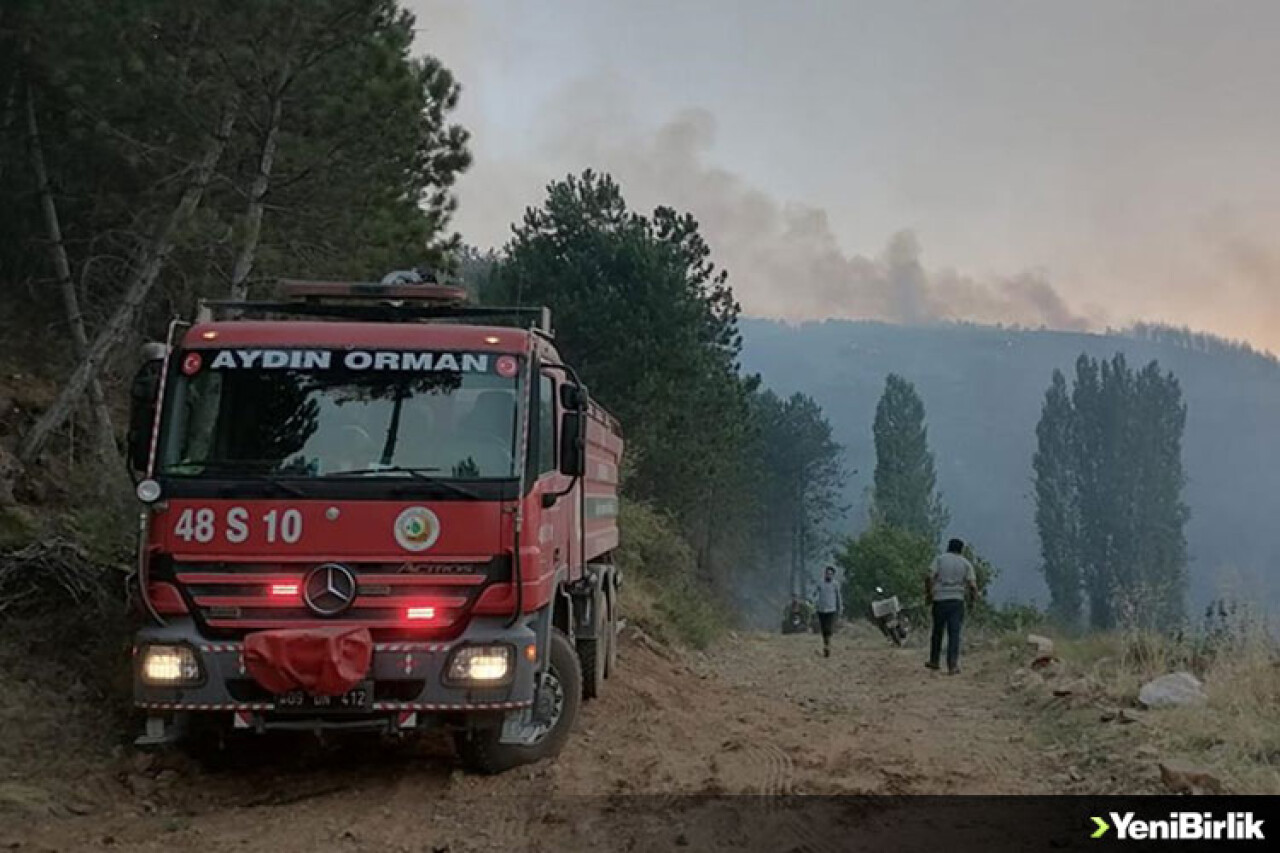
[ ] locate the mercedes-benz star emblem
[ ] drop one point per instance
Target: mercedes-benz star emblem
(329, 589)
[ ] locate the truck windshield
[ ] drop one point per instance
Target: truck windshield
(329, 415)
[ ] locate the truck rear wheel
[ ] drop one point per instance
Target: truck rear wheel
(483, 751)
(611, 637)
(593, 651)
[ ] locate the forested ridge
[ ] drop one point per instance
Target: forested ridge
(984, 391)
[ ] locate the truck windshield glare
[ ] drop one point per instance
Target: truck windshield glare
(336, 417)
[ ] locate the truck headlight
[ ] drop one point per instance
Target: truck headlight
(486, 665)
(169, 666)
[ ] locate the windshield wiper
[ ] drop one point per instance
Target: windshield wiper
(417, 473)
(232, 470)
(278, 483)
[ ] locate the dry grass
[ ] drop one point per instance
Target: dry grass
(1235, 734)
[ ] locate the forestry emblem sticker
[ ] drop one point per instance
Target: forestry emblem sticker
(417, 528)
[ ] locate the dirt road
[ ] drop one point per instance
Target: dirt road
(762, 714)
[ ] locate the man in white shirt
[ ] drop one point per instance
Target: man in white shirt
(950, 580)
(830, 604)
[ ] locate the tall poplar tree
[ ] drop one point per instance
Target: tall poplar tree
(905, 493)
(1109, 507)
(1057, 502)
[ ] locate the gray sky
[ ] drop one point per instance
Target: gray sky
(1074, 163)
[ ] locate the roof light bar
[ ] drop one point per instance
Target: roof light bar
(436, 294)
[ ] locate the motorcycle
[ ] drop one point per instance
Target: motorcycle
(890, 618)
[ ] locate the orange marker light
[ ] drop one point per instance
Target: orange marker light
(531, 653)
(209, 335)
(421, 613)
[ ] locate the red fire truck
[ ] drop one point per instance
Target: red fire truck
(373, 506)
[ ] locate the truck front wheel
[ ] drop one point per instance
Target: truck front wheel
(547, 727)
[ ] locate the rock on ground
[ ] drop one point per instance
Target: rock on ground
(1184, 779)
(1025, 679)
(1173, 690)
(1041, 645)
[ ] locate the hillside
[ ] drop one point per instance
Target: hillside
(983, 388)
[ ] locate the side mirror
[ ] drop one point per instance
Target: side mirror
(142, 406)
(573, 398)
(573, 444)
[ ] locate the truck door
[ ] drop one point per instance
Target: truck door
(557, 520)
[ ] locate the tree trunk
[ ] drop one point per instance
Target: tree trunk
(6, 116)
(106, 438)
(150, 262)
(257, 192)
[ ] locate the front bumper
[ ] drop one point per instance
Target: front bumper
(407, 679)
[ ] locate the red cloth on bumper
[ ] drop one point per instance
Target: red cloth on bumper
(321, 661)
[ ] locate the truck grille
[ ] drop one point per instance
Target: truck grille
(233, 598)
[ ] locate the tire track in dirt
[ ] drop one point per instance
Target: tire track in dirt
(776, 786)
(767, 770)
(781, 785)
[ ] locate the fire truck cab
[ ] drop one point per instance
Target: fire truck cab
(372, 507)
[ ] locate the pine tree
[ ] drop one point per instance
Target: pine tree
(806, 474)
(196, 148)
(651, 325)
(905, 494)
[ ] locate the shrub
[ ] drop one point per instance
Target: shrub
(886, 557)
(898, 560)
(1013, 618)
(663, 592)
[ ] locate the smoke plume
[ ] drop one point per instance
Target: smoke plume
(784, 259)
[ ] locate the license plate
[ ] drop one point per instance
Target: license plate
(358, 698)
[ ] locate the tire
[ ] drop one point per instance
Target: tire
(482, 751)
(593, 651)
(611, 634)
(206, 743)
